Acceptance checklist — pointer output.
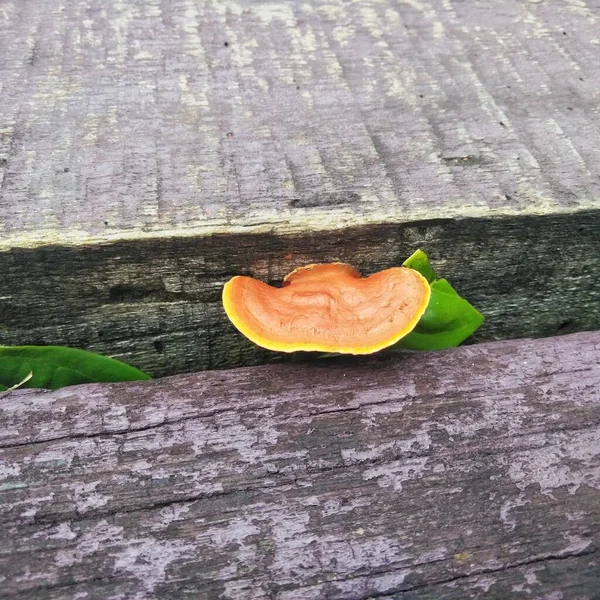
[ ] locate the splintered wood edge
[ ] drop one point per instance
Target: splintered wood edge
(311, 221)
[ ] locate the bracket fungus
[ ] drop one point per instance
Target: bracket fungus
(328, 308)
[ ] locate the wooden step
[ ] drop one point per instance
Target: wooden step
(149, 151)
(469, 473)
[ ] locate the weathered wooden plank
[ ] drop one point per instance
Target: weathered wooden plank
(124, 119)
(133, 133)
(463, 474)
(157, 305)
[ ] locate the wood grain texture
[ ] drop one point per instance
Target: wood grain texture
(149, 149)
(471, 473)
(146, 117)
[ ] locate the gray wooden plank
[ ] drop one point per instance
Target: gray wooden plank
(469, 473)
(125, 120)
(151, 149)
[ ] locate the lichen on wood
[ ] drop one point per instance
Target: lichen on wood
(448, 475)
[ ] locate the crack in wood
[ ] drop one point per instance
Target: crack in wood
(509, 566)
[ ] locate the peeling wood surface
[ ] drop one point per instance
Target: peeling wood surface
(150, 149)
(472, 473)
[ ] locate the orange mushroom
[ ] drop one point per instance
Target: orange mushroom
(328, 308)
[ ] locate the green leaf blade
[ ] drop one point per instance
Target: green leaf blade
(448, 321)
(57, 366)
(418, 261)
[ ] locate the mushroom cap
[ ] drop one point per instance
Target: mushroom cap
(328, 308)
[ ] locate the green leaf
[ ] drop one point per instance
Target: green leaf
(448, 321)
(57, 366)
(418, 261)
